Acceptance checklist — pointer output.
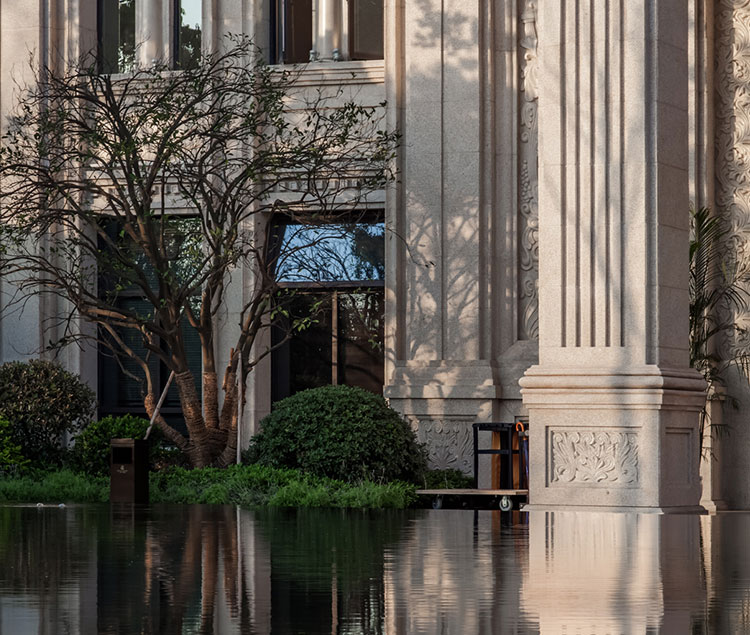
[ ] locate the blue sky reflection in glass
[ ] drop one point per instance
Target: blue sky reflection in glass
(332, 253)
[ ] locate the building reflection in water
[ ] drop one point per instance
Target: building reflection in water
(219, 569)
(614, 573)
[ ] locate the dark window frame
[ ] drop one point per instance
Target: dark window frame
(110, 372)
(281, 374)
(104, 65)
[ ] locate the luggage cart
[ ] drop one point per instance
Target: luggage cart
(509, 479)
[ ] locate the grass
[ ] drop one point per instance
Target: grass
(247, 485)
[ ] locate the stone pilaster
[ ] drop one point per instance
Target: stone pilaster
(613, 404)
(462, 258)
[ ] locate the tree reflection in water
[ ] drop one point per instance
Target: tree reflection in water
(219, 569)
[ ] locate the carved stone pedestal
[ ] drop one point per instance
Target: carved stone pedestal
(613, 405)
(603, 439)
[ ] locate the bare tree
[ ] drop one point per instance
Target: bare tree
(162, 184)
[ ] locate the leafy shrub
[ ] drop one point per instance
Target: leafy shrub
(447, 479)
(43, 401)
(62, 486)
(340, 432)
(11, 458)
(92, 447)
(258, 485)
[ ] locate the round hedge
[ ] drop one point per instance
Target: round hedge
(340, 432)
(43, 401)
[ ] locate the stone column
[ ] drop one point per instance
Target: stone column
(326, 28)
(152, 37)
(613, 403)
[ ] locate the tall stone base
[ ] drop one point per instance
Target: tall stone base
(600, 438)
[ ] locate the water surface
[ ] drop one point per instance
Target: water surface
(220, 569)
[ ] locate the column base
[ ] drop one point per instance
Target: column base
(608, 439)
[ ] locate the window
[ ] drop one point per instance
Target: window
(187, 39)
(121, 387)
(333, 279)
(365, 29)
(116, 29)
(293, 33)
(329, 29)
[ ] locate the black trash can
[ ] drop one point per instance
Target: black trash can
(128, 482)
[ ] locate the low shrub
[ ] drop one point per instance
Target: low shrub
(259, 485)
(63, 486)
(43, 402)
(11, 459)
(339, 432)
(248, 485)
(92, 446)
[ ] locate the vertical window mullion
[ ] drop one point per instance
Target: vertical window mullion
(334, 338)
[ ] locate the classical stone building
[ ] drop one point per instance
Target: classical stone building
(536, 244)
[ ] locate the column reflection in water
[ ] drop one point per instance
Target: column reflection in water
(220, 569)
(614, 573)
(452, 575)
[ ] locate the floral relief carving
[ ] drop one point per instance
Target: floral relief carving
(528, 203)
(732, 128)
(594, 457)
(449, 442)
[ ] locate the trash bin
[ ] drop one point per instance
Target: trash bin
(128, 481)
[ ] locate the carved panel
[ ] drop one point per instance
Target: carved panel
(732, 128)
(528, 203)
(593, 457)
(449, 441)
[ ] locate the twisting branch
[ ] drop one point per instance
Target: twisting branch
(135, 198)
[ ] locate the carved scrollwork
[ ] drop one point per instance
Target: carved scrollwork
(732, 128)
(594, 457)
(449, 441)
(528, 206)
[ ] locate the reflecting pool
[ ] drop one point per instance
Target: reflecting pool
(220, 569)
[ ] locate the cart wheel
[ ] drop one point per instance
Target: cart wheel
(506, 504)
(437, 502)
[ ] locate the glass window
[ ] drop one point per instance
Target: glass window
(188, 32)
(332, 278)
(332, 253)
(121, 385)
(366, 29)
(292, 31)
(116, 25)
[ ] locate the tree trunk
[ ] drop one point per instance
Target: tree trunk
(168, 431)
(211, 399)
(199, 451)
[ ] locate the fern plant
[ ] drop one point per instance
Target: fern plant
(718, 290)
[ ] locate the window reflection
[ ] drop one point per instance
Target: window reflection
(331, 328)
(332, 253)
(188, 37)
(116, 22)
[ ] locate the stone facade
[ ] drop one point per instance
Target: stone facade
(538, 230)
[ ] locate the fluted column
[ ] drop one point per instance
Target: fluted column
(613, 403)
